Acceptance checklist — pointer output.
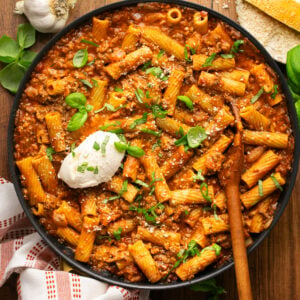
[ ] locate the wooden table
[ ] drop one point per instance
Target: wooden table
(274, 266)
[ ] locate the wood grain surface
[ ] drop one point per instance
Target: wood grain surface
(274, 265)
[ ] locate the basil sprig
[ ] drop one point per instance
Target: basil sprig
(78, 100)
(134, 151)
(18, 59)
(80, 58)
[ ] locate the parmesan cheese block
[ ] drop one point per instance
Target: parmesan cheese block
(273, 35)
(287, 12)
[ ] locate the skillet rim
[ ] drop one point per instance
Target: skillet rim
(62, 250)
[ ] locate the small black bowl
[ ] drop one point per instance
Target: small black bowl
(63, 250)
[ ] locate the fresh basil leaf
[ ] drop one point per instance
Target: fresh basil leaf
(76, 100)
(77, 120)
(11, 76)
(87, 83)
(80, 58)
(27, 58)
(187, 101)
(89, 108)
(121, 147)
(195, 136)
(256, 97)
(26, 35)
(89, 42)
(208, 62)
(135, 151)
(9, 49)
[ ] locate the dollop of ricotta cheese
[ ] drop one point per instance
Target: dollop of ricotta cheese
(94, 161)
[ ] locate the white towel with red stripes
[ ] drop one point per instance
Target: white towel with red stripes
(23, 251)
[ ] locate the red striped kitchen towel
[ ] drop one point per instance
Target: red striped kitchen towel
(23, 251)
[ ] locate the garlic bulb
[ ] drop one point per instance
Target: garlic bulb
(46, 15)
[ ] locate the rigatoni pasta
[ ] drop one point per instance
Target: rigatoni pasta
(167, 83)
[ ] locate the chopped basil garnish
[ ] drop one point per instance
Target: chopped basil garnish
(82, 167)
(186, 54)
(155, 145)
(236, 45)
(117, 89)
(204, 192)
(275, 91)
(215, 212)
(106, 126)
(146, 65)
(152, 182)
(149, 214)
(109, 107)
(96, 146)
(158, 111)
(149, 131)
(260, 188)
(89, 42)
(187, 101)
(49, 152)
(160, 53)
(141, 183)
(256, 97)
(117, 233)
(103, 145)
(157, 72)
(139, 95)
(228, 55)
(208, 62)
(277, 184)
(72, 149)
(199, 176)
(139, 121)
